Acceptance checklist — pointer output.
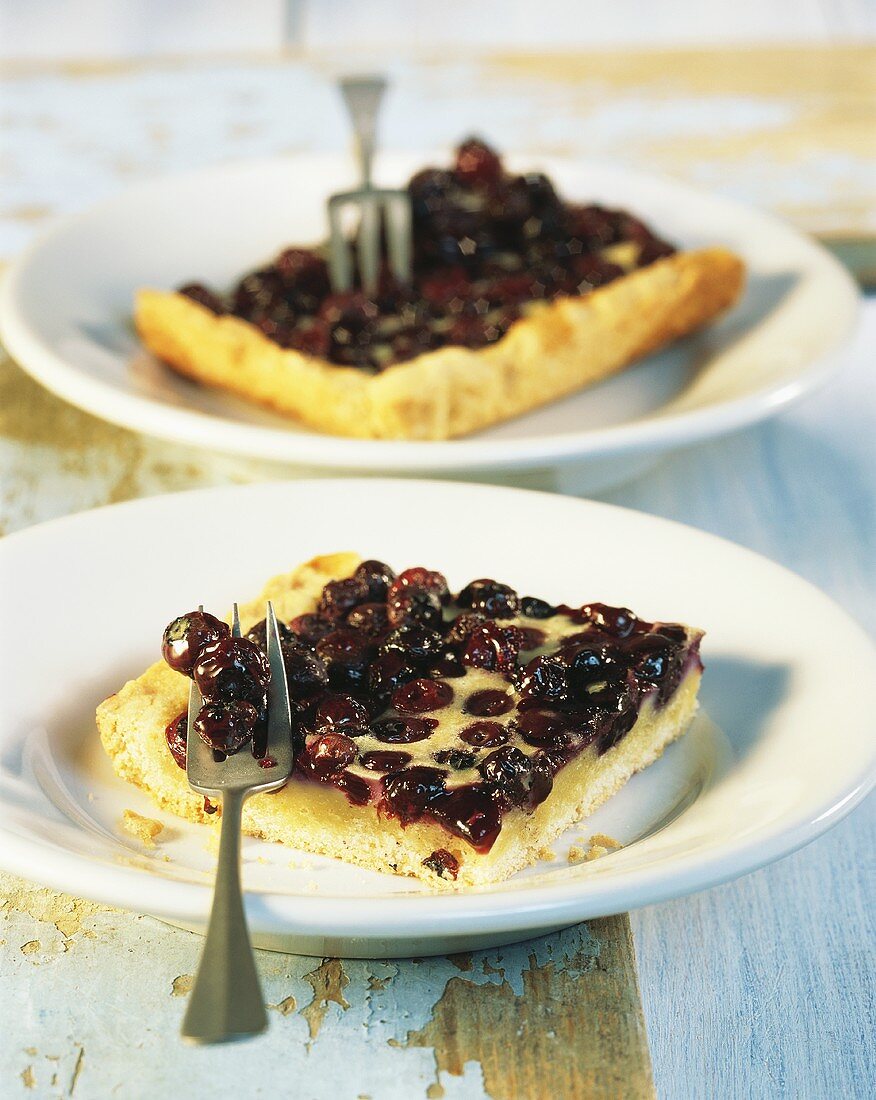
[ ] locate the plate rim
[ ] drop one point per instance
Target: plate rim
(447, 913)
(187, 425)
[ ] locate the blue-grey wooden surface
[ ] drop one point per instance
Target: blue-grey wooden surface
(760, 988)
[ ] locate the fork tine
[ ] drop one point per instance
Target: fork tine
(340, 267)
(235, 622)
(368, 242)
(279, 709)
(399, 235)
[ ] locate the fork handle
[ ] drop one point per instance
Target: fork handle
(362, 95)
(226, 1002)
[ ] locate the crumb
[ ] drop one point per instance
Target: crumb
(599, 845)
(605, 841)
(547, 854)
(211, 844)
(311, 887)
(145, 829)
(91, 796)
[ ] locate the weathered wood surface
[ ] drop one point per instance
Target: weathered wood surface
(761, 988)
(501, 1023)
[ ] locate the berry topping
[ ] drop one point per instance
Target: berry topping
(384, 761)
(306, 674)
(310, 628)
(488, 703)
(340, 597)
(259, 634)
(419, 578)
(378, 576)
(403, 731)
(491, 647)
(458, 759)
(175, 735)
(477, 165)
(327, 755)
(463, 625)
(370, 618)
(338, 713)
(422, 695)
(226, 726)
(543, 678)
(406, 794)
(414, 605)
(443, 864)
(466, 812)
(495, 600)
(234, 668)
(485, 734)
(619, 621)
(543, 729)
(534, 608)
(186, 638)
(418, 644)
(203, 296)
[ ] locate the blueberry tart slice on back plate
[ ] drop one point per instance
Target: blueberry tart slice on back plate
(517, 298)
(447, 737)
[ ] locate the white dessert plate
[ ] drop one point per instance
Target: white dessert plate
(65, 314)
(783, 747)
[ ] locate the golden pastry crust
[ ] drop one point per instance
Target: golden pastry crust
(318, 818)
(553, 351)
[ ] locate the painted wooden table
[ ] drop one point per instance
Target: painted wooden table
(760, 988)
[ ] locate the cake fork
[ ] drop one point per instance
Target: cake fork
(377, 208)
(226, 1002)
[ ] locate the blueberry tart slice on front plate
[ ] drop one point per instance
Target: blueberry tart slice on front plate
(450, 737)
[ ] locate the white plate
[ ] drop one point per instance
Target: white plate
(66, 304)
(783, 749)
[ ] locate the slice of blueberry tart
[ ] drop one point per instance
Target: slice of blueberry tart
(445, 736)
(517, 298)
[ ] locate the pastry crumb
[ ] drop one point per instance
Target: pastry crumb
(547, 854)
(605, 841)
(599, 845)
(145, 829)
(311, 887)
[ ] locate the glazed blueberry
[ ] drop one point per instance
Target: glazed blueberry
(443, 863)
(387, 672)
(340, 597)
(303, 271)
(618, 621)
(175, 735)
(470, 813)
(347, 654)
(306, 674)
(340, 713)
(414, 605)
(592, 666)
(416, 643)
(234, 668)
(310, 628)
(370, 618)
(384, 761)
(477, 165)
(463, 625)
(490, 598)
(534, 608)
(226, 726)
(203, 296)
(485, 734)
(490, 647)
(403, 731)
(422, 695)
(378, 576)
(542, 728)
(488, 703)
(259, 634)
(419, 578)
(407, 793)
(544, 677)
(330, 753)
(457, 759)
(186, 638)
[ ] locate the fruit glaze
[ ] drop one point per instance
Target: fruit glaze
(487, 246)
(454, 709)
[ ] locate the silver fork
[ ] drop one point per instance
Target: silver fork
(362, 95)
(226, 1002)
